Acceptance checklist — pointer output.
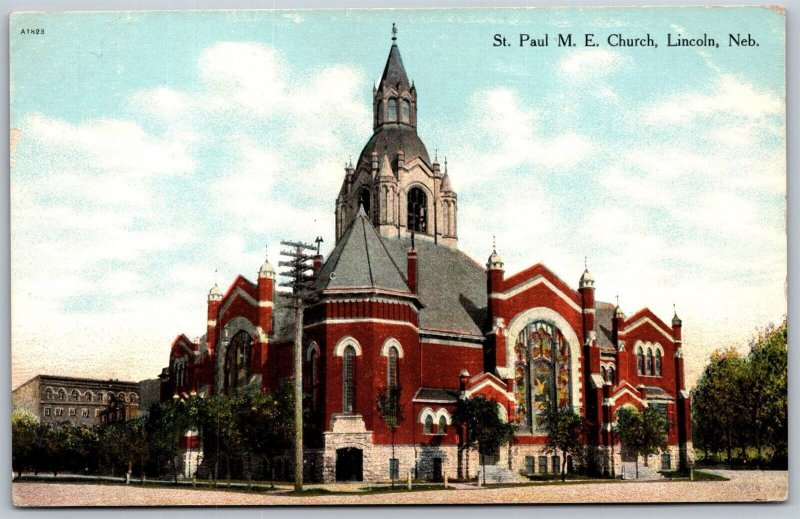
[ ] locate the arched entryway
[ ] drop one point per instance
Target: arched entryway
(349, 464)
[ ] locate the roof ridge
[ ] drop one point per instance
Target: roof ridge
(366, 249)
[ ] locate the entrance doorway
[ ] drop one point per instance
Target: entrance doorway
(349, 464)
(437, 469)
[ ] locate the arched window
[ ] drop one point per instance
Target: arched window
(442, 425)
(379, 113)
(604, 373)
(48, 394)
(406, 113)
(312, 376)
(542, 377)
(87, 397)
(391, 367)
(237, 362)
(658, 362)
(417, 210)
(428, 428)
(62, 395)
(639, 361)
(611, 376)
(392, 109)
(132, 398)
(348, 378)
(364, 199)
(649, 361)
(74, 396)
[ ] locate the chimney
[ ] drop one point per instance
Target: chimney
(412, 269)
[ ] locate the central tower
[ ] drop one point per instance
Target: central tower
(394, 180)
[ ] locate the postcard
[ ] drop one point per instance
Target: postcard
(440, 256)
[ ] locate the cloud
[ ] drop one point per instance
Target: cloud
(731, 96)
(590, 64)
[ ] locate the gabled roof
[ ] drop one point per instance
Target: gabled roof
(436, 395)
(360, 260)
(394, 72)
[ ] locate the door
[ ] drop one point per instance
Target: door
(437, 469)
(349, 464)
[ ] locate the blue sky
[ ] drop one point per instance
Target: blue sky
(150, 149)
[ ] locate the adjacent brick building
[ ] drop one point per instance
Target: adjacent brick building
(400, 304)
(79, 401)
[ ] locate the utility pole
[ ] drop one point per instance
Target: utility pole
(302, 285)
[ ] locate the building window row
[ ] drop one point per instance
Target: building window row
(72, 411)
(88, 396)
(543, 465)
(393, 115)
(649, 361)
(435, 423)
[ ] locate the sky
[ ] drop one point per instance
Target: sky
(156, 153)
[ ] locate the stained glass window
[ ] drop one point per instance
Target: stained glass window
(640, 361)
(542, 378)
(417, 207)
(391, 367)
(649, 361)
(658, 362)
(428, 429)
(442, 425)
(237, 362)
(348, 368)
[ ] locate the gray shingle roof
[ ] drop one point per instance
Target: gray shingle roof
(451, 285)
(604, 314)
(436, 395)
(394, 72)
(657, 393)
(389, 138)
(360, 260)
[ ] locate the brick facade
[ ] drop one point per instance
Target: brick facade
(396, 287)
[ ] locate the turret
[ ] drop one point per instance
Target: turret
(495, 347)
(617, 324)
(394, 98)
(214, 298)
(586, 289)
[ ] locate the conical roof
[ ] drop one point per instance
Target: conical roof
(360, 260)
(394, 72)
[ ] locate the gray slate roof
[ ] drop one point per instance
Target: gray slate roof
(360, 260)
(657, 393)
(451, 285)
(436, 395)
(604, 314)
(389, 138)
(394, 72)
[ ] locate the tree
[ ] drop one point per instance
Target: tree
(24, 439)
(642, 433)
(485, 430)
(564, 433)
(391, 412)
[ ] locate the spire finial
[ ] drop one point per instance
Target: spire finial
(215, 276)
(266, 251)
(494, 244)
(436, 155)
(617, 299)
(586, 262)
(394, 32)
(318, 241)
(445, 163)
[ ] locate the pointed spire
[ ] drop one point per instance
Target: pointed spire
(676, 321)
(446, 186)
(394, 73)
(495, 261)
(386, 167)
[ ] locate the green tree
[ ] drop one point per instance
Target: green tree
(564, 433)
(642, 433)
(485, 430)
(24, 438)
(390, 411)
(767, 386)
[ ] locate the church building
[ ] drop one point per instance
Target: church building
(398, 304)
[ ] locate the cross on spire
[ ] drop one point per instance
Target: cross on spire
(394, 32)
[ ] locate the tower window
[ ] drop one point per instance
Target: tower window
(392, 109)
(417, 210)
(348, 371)
(364, 199)
(379, 113)
(658, 363)
(406, 113)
